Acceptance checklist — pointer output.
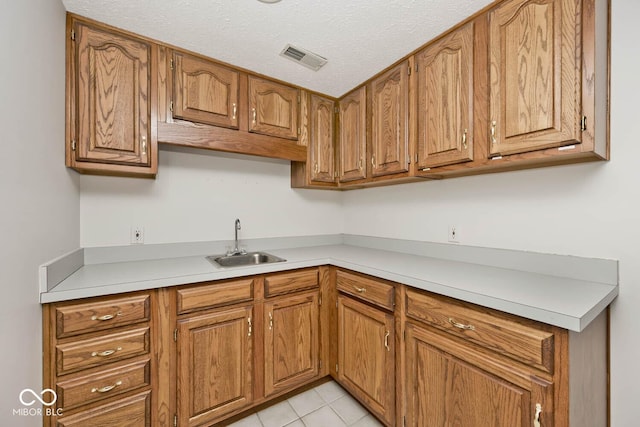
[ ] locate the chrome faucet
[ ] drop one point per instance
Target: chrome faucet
(236, 250)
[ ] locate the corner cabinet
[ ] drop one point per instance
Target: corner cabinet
(535, 75)
(110, 89)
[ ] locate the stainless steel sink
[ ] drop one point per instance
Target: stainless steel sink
(250, 258)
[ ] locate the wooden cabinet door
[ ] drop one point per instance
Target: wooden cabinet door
(535, 78)
(366, 362)
(390, 122)
(112, 85)
(290, 342)
(444, 390)
(445, 100)
(273, 108)
(215, 366)
(205, 92)
(353, 135)
(321, 139)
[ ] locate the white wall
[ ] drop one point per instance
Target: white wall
(197, 196)
(40, 197)
(590, 210)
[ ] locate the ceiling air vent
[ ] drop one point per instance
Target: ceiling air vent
(303, 57)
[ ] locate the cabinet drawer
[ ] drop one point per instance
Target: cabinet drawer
(104, 384)
(374, 291)
(133, 411)
(87, 353)
(485, 327)
(94, 316)
(214, 294)
(295, 281)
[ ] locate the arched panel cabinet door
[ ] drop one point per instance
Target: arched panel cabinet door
(273, 108)
(205, 92)
(109, 102)
(535, 76)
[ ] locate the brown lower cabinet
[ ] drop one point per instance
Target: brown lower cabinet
(215, 371)
(199, 354)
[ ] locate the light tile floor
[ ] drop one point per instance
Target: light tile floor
(325, 405)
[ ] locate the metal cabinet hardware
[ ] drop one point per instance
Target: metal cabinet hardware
(461, 325)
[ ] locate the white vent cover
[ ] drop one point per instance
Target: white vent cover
(303, 57)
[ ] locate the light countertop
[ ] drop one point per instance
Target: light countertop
(558, 300)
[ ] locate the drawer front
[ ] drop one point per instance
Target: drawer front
(99, 351)
(94, 316)
(485, 327)
(214, 294)
(284, 283)
(374, 291)
(101, 385)
(134, 411)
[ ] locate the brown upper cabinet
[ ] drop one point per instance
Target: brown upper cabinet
(390, 121)
(352, 137)
(321, 144)
(109, 93)
(445, 100)
(273, 108)
(535, 75)
(205, 92)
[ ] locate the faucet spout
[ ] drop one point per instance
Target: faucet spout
(237, 227)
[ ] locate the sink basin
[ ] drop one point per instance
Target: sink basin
(251, 258)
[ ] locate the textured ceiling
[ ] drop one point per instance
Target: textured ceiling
(358, 37)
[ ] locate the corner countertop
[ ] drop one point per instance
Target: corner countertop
(567, 302)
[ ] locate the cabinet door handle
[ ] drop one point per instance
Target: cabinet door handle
(386, 341)
(106, 316)
(254, 115)
(270, 321)
(144, 144)
(493, 131)
(105, 353)
(106, 388)
(315, 168)
(536, 417)
(250, 326)
(360, 290)
(464, 139)
(461, 325)
(235, 110)
(360, 164)
(373, 161)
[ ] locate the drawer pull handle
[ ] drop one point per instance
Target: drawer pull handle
(536, 417)
(461, 325)
(361, 290)
(105, 353)
(386, 341)
(106, 388)
(106, 316)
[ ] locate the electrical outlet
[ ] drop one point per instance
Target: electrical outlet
(454, 234)
(137, 235)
